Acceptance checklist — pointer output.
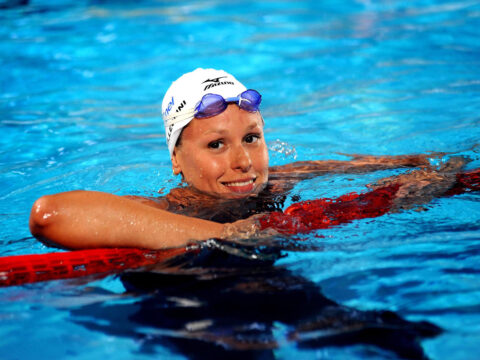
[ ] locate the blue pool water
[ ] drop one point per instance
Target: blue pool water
(81, 86)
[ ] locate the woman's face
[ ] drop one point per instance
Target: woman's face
(225, 154)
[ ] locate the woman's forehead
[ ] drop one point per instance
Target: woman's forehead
(231, 120)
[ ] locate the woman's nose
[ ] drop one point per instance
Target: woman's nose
(241, 159)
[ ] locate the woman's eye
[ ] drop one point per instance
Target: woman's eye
(250, 139)
(215, 144)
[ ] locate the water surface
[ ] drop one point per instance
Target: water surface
(81, 87)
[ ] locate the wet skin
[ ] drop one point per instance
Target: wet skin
(224, 155)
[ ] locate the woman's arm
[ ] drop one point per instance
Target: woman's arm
(358, 164)
(422, 186)
(284, 177)
(88, 219)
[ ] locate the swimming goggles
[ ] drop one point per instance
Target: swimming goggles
(214, 104)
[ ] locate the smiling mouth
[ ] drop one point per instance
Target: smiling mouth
(241, 186)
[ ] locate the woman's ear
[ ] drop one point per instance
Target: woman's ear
(176, 164)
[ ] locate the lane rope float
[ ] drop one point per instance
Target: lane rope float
(23, 269)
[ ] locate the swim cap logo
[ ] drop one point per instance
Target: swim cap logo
(169, 107)
(180, 107)
(216, 82)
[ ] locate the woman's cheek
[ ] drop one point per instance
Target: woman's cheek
(261, 158)
(215, 168)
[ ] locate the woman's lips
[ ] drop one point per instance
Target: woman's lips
(240, 186)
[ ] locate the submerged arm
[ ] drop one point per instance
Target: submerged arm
(284, 177)
(422, 186)
(88, 219)
(358, 164)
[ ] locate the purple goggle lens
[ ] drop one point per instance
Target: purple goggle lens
(212, 104)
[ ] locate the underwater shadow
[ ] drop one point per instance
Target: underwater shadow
(227, 301)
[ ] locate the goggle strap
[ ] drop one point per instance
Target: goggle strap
(179, 118)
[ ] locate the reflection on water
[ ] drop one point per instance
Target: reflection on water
(231, 301)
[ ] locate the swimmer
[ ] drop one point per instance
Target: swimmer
(215, 137)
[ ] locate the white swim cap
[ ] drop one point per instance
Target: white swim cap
(184, 94)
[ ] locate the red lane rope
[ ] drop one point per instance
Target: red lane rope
(323, 213)
(23, 269)
(467, 181)
(297, 218)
